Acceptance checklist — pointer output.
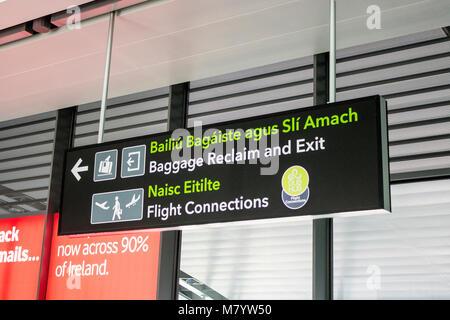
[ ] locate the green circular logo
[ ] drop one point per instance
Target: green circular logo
(295, 180)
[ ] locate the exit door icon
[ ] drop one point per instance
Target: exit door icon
(133, 161)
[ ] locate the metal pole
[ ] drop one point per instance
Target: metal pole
(101, 127)
(332, 80)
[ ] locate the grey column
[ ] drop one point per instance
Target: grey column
(170, 248)
(322, 228)
(64, 133)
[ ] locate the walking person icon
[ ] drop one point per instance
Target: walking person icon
(117, 209)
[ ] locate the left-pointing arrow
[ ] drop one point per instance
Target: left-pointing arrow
(130, 162)
(77, 169)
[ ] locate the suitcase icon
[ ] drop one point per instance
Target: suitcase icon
(105, 167)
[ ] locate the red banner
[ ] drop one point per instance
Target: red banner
(20, 254)
(119, 265)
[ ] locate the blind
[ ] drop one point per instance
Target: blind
(413, 74)
(267, 261)
(404, 255)
(129, 116)
(26, 148)
(278, 87)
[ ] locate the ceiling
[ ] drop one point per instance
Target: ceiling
(160, 43)
(14, 12)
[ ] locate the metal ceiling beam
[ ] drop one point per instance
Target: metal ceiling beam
(86, 11)
(18, 32)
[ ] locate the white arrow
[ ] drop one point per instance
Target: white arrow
(77, 169)
(130, 162)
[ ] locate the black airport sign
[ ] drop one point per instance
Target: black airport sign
(320, 161)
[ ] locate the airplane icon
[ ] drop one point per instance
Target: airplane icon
(102, 205)
(117, 206)
(133, 201)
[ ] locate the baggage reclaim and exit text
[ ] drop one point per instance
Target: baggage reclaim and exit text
(212, 158)
(205, 184)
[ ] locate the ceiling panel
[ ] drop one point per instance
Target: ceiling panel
(166, 42)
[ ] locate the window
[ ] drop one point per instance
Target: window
(405, 255)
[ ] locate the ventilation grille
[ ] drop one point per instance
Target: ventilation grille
(125, 118)
(26, 148)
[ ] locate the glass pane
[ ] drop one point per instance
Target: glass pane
(263, 261)
(26, 147)
(404, 255)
